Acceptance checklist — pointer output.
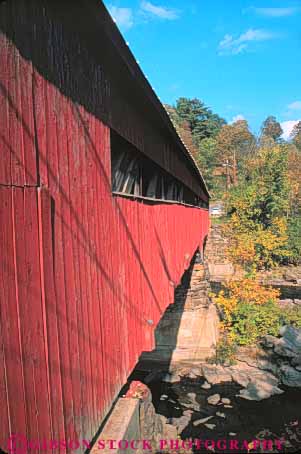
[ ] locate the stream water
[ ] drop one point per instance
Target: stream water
(278, 417)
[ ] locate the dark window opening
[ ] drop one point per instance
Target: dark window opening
(135, 174)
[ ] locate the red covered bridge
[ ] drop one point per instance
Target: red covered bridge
(101, 210)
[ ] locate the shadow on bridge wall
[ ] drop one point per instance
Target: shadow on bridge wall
(167, 330)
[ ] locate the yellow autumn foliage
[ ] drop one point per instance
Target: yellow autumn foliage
(256, 247)
(244, 290)
(237, 293)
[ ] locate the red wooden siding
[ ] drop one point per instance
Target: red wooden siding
(81, 272)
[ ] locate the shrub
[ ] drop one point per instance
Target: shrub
(249, 311)
(245, 290)
(250, 322)
(225, 351)
(291, 316)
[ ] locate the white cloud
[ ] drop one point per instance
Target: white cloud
(296, 105)
(234, 46)
(237, 118)
(276, 12)
(287, 127)
(159, 11)
(123, 16)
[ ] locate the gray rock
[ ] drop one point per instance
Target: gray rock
(216, 374)
(259, 390)
(239, 376)
(192, 403)
(191, 375)
(263, 376)
(289, 345)
(284, 348)
(202, 421)
(267, 365)
(296, 361)
(191, 396)
(214, 399)
(281, 346)
(292, 335)
(290, 376)
(206, 385)
(226, 401)
(269, 341)
(210, 426)
(257, 357)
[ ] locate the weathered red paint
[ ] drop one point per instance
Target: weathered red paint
(82, 272)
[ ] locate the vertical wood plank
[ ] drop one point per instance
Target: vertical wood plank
(10, 309)
(49, 301)
(5, 146)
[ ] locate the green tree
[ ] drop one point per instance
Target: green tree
(198, 126)
(183, 129)
(207, 161)
(202, 121)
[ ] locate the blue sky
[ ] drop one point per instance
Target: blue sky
(242, 58)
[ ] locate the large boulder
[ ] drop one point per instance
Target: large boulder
(289, 345)
(239, 376)
(259, 390)
(296, 361)
(259, 384)
(292, 336)
(290, 376)
(216, 374)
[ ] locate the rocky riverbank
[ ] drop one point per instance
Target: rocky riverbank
(259, 371)
(256, 398)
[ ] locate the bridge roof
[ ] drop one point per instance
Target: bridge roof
(128, 57)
